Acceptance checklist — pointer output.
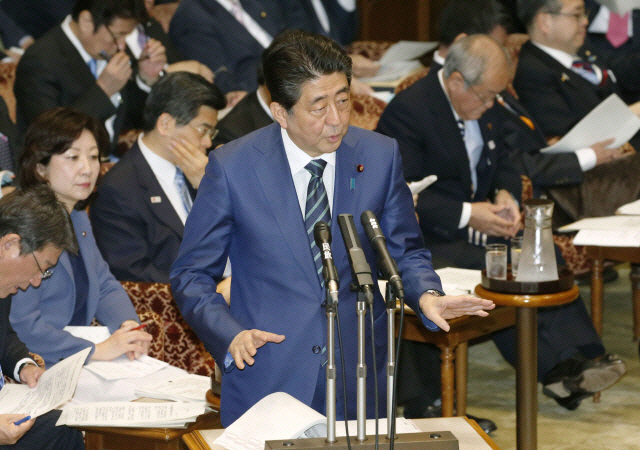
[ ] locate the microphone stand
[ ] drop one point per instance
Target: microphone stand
(331, 309)
(390, 300)
(365, 297)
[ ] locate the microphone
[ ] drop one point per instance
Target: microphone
(360, 270)
(385, 262)
(322, 236)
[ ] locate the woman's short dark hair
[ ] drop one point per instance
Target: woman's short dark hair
(52, 133)
(181, 94)
(295, 57)
(36, 215)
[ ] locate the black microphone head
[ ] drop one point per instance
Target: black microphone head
(321, 233)
(371, 225)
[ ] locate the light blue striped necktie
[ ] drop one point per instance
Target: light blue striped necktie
(181, 184)
(1, 379)
(93, 67)
(317, 208)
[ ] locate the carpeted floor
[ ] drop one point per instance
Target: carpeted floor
(613, 423)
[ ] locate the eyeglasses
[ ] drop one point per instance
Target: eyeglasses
(576, 15)
(44, 273)
(211, 133)
(486, 101)
(114, 37)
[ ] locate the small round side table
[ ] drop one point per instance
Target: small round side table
(527, 367)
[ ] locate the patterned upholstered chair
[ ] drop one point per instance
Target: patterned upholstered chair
(181, 347)
(366, 111)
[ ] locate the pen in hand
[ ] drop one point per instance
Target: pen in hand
(21, 421)
(140, 327)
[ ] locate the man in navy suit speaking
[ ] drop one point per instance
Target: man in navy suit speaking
(256, 204)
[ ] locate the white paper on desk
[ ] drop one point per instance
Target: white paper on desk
(610, 119)
(406, 51)
(277, 416)
(630, 209)
(91, 334)
(418, 186)
(132, 414)
(620, 6)
(611, 223)
(608, 238)
(182, 389)
(464, 280)
(394, 71)
(55, 387)
(121, 367)
(403, 426)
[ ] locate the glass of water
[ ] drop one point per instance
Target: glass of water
(516, 249)
(496, 260)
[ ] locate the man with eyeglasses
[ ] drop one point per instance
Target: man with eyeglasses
(34, 230)
(557, 86)
(142, 203)
(446, 126)
(84, 63)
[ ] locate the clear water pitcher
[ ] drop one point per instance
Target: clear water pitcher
(538, 257)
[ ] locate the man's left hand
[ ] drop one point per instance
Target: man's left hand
(151, 62)
(30, 374)
(191, 160)
(440, 309)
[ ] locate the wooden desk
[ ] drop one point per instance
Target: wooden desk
(468, 440)
(113, 438)
(527, 367)
(454, 347)
(625, 254)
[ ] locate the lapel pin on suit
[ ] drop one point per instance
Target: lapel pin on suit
(564, 77)
(489, 126)
(491, 145)
(84, 234)
(263, 14)
(156, 199)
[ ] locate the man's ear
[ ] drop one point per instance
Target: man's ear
(280, 114)
(85, 23)
(165, 124)
(460, 37)
(9, 245)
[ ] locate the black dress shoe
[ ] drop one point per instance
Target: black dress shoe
(574, 379)
(435, 410)
(487, 425)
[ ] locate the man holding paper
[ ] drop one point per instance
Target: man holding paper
(34, 229)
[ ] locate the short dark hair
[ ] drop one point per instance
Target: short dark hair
(52, 133)
(472, 17)
(297, 57)
(104, 12)
(181, 94)
(36, 215)
(529, 9)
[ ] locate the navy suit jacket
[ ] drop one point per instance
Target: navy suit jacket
(343, 25)
(39, 314)
(138, 237)
(12, 349)
(247, 208)
(421, 119)
(203, 30)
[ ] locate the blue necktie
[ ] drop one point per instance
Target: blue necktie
(586, 71)
(1, 379)
(93, 67)
(181, 184)
(317, 208)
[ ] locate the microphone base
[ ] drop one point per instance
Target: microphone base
(433, 440)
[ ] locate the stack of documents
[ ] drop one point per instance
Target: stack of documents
(612, 231)
(630, 209)
(132, 414)
(55, 387)
(400, 60)
(189, 388)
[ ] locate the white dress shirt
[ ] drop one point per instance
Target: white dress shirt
(298, 159)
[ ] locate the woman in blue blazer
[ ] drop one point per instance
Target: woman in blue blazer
(62, 148)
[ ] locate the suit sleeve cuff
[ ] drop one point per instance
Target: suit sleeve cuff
(465, 216)
(16, 370)
(586, 158)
